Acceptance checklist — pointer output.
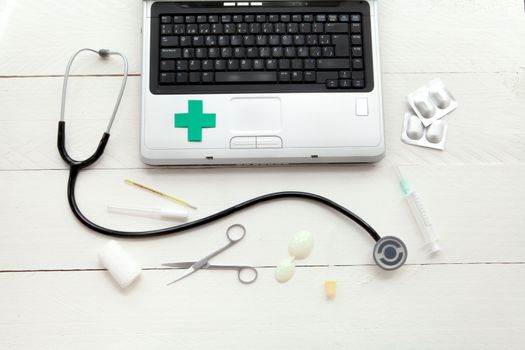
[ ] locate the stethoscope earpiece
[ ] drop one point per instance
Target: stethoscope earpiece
(390, 253)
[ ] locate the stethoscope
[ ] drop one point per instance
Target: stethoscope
(389, 252)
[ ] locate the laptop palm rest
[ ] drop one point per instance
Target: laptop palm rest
(256, 115)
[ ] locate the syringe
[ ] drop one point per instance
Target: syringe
(420, 214)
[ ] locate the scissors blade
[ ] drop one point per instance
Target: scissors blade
(183, 265)
(186, 273)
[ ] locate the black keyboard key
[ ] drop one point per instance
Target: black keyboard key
(252, 52)
(318, 28)
(274, 40)
(297, 18)
(213, 52)
(207, 65)
(217, 28)
(236, 40)
(358, 75)
(345, 83)
(286, 40)
(332, 18)
(328, 51)
(284, 64)
(285, 18)
(165, 19)
(261, 40)
(226, 18)
(302, 51)
(237, 18)
(355, 18)
(169, 41)
(179, 29)
(170, 53)
(333, 64)
(358, 84)
(277, 52)
(167, 78)
(355, 28)
(332, 83)
(195, 77)
(309, 76)
(345, 74)
(255, 28)
(167, 65)
(316, 51)
(324, 40)
(178, 19)
(182, 65)
(271, 64)
(182, 77)
(357, 63)
(273, 18)
(246, 64)
(202, 19)
(192, 28)
(201, 52)
(239, 52)
(194, 65)
(299, 39)
(284, 77)
(297, 77)
(336, 28)
(344, 18)
(320, 18)
(188, 52)
(261, 18)
(210, 40)
(249, 18)
(246, 77)
(213, 19)
(310, 63)
(357, 51)
(233, 64)
(308, 18)
(166, 29)
(223, 40)
(342, 45)
(279, 28)
(312, 39)
(290, 52)
(226, 52)
(242, 28)
(197, 40)
(220, 64)
(292, 28)
(190, 19)
(229, 28)
(305, 28)
(267, 28)
(297, 64)
(265, 52)
(356, 39)
(204, 28)
(207, 77)
(258, 64)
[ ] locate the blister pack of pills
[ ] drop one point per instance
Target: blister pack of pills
(415, 133)
(432, 102)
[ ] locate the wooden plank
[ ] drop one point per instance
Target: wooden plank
(422, 36)
(488, 127)
(435, 307)
(477, 210)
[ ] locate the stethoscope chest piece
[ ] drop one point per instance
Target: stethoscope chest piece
(390, 253)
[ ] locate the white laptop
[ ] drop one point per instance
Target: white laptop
(271, 82)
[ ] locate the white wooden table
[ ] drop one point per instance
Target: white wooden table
(55, 295)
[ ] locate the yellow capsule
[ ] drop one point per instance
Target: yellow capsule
(330, 288)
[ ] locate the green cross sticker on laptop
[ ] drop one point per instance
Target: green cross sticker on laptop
(195, 120)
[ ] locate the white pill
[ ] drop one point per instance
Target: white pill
(424, 105)
(285, 270)
(120, 265)
(435, 132)
(301, 245)
(415, 129)
(440, 96)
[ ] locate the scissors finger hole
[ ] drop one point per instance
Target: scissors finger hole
(247, 275)
(236, 232)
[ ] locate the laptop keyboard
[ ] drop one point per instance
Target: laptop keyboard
(316, 52)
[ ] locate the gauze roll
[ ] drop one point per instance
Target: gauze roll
(119, 264)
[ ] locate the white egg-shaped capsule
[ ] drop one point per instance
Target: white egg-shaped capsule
(301, 244)
(424, 105)
(285, 270)
(440, 96)
(436, 131)
(415, 129)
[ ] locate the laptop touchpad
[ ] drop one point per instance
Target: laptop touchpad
(255, 115)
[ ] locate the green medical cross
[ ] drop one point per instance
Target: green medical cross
(195, 120)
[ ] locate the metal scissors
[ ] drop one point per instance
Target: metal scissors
(249, 272)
